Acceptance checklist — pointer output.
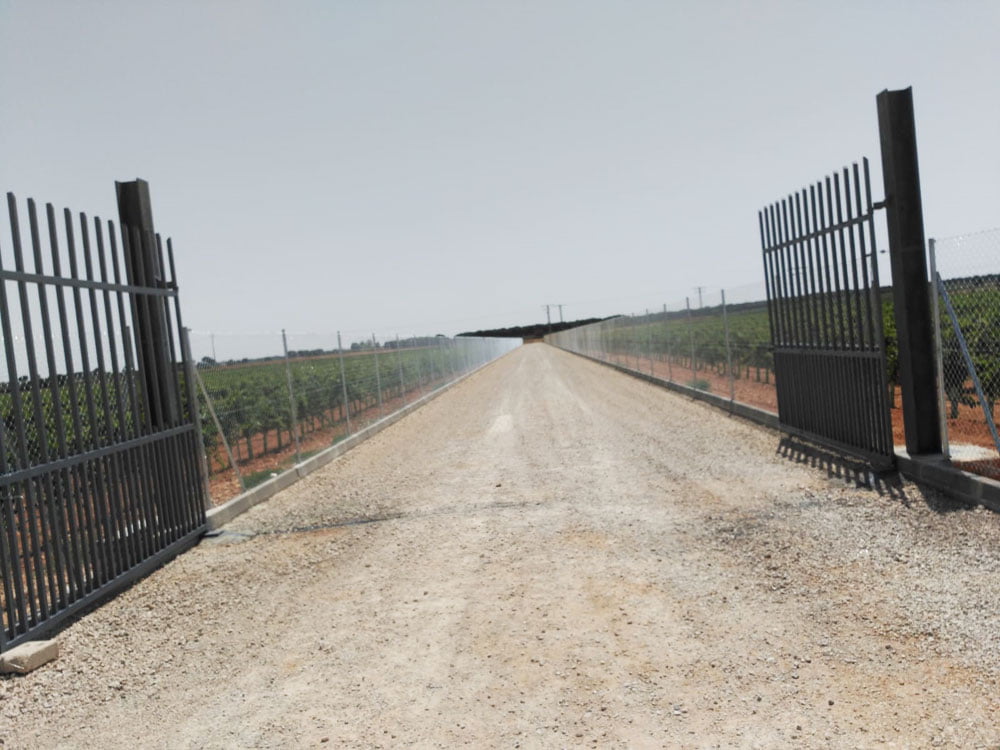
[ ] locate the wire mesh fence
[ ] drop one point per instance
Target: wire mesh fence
(269, 401)
(719, 341)
(967, 282)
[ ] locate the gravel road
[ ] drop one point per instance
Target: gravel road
(552, 554)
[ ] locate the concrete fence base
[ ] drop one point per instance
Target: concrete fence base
(223, 514)
(935, 471)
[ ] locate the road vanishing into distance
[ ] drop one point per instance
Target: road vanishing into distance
(550, 554)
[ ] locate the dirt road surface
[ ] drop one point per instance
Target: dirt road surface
(552, 554)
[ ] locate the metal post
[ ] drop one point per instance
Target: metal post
(670, 356)
(729, 351)
(218, 427)
(378, 377)
(192, 397)
(343, 382)
(911, 303)
(291, 400)
(142, 268)
(938, 356)
(399, 364)
(649, 341)
(694, 372)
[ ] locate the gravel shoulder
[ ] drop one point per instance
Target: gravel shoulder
(551, 554)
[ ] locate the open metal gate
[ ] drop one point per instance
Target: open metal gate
(825, 313)
(99, 454)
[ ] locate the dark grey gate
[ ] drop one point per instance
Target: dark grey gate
(825, 314)
(99, 456)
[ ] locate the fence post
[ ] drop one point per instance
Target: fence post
(343, 382)
(694, 372)
(218, 427)
(142, 268)
(729, 351)
(666, 330)
(291, 400)
(192, 398)
(399, 364)
(938, 355)
(910, 289)
(649, 341)
(378, 377)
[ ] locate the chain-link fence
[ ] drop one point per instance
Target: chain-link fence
(717, 341)
(269, 401)
(967, 281)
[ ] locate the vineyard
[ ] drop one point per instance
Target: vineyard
(273, 413)
(690, 347)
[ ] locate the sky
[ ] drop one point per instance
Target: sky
(428, 167)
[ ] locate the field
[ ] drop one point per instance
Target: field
(251, 401)
(689, 348)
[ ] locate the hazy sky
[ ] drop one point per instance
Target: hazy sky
(444, 166)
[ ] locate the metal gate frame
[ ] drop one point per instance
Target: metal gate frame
(825, 314)
(99, 457)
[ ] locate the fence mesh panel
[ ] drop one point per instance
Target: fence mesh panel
(269, 401)
(969, 333)
(717, 341)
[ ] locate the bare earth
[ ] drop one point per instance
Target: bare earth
(552, 554)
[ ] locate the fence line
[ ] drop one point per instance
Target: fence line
(722, 346)
(262, 415)
(966, 279)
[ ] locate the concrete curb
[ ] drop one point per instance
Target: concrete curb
(761, 417)
(223, 514)
(935, 471)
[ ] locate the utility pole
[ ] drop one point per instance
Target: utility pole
(560, 313)
(699, 289)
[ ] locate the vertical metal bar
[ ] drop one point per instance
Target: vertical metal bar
(171, 307)
(55, 487)
(805, 274)
(114, 461)
(291, 399)
(938, 355)
(842, 340)
(856, 296)
(842, 246)
(785, 293)
(110, 490)
(39, 605)
(872, 336)
(878, 319)
(129, 467)
(96, 479)
(17, 540)
(47, 497)
(768, 271)
(343, 382)
(823, 268)
(794, 272)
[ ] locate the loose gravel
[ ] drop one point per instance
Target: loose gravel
(552, 554)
